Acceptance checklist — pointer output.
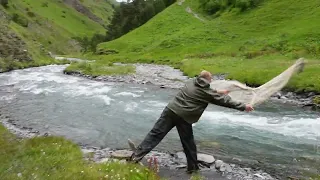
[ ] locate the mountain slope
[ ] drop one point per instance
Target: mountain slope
(51, 26)
(251, 46)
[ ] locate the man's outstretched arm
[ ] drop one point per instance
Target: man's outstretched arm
(225, 100)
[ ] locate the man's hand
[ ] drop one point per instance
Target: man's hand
(223, 92)
(249, 108)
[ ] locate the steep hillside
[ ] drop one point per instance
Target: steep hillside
(251, 46)
(45, 26)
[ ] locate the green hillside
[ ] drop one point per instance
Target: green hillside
(101, 8)
(50, 26)
(251, 46)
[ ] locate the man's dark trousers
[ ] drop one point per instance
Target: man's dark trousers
(165, 123)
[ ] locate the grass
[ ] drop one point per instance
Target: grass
(60, 15)
(95, 69)
(252, 46)
(50, 26)
(101, 9)
(57, 158)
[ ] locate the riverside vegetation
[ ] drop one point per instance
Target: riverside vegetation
(57, 158)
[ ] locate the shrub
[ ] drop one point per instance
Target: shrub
(4, 3)
(22, 21)
(44, 4)
(218, 6)
(30, 14)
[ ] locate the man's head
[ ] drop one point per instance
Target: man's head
(206, 74)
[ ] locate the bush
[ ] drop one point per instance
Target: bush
(4, 3)
(44, 4)
(22, 21)
(90, 44)
(316, 100)
(30, 14)
(215, 6)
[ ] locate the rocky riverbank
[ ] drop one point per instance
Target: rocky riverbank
(168, 163)
(167, 77)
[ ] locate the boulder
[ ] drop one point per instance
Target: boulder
(206, 158)
(121, 154)
(201, 157)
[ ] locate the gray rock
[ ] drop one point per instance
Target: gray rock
(181, 157)
(201, 157)
(104, 160)
(228, 168)
(218, 164)
(249, 177)
(121, 154)
(206, 158)
(223, 168)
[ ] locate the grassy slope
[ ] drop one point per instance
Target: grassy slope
(51, 27)
(56, 158)
(101, 8)
(252, 47)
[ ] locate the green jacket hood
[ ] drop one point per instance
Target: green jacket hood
(201, 82)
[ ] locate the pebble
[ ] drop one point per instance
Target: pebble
(259, 176)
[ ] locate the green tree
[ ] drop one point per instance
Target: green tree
(159, 6)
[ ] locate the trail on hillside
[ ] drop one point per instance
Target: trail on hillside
(189, 10)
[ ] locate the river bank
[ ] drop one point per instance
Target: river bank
(169, 163)
(167, 77)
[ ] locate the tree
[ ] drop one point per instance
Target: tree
(168, 2)
(130, 15)
(159, 6)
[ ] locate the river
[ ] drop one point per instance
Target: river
(106, 114)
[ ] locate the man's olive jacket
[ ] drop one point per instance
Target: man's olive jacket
(194, 97)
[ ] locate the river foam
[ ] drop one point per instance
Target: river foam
(290, 126)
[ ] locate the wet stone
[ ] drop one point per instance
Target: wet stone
(218, 164)
(121, 154)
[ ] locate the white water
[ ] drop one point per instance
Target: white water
(106, 114)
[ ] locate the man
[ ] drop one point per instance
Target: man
(185, 109)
